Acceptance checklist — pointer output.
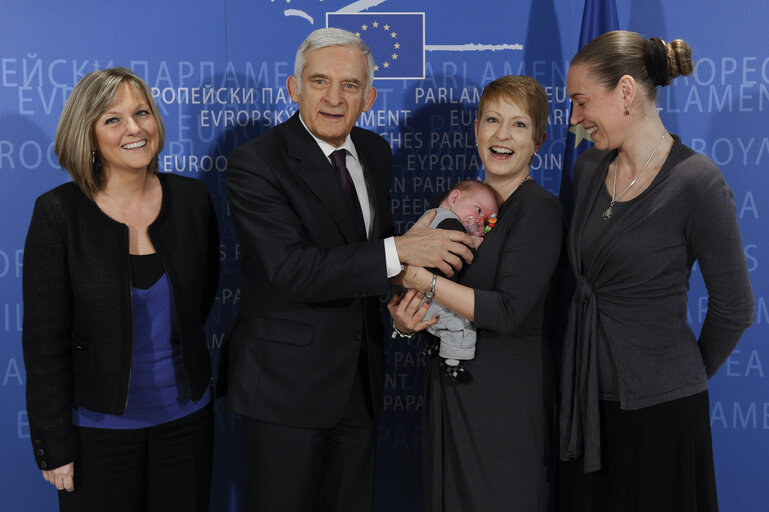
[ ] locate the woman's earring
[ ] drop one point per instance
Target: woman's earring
(95, 162)
(627, 112)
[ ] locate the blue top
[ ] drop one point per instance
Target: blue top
(157, 392)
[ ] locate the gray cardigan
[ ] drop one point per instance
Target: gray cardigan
(636, 289)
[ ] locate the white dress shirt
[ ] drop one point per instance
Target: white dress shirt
(356, 173)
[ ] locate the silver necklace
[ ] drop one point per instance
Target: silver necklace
(614, 198)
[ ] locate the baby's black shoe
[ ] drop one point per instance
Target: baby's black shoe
(456, 371)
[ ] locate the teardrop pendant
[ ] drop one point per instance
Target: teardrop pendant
(607, 212)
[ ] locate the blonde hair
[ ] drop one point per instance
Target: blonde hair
(90, 98)
(525, 92)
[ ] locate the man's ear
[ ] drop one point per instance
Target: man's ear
(292, 84)
(370, 98)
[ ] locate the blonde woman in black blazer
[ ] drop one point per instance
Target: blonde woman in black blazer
(120, 271)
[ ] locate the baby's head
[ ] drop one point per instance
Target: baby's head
(470, 199)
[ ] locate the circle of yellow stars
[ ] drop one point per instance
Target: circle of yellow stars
(393, 35)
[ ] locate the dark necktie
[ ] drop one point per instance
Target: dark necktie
(339, 157)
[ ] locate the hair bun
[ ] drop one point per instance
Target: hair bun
(679, 58)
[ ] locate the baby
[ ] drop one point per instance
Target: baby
(464, 208)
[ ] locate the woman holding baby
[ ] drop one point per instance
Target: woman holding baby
(487, 442)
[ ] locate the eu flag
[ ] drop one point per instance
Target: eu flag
(599, 16)
(396, 39)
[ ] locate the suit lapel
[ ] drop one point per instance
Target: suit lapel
(373, 175)
(316, 171)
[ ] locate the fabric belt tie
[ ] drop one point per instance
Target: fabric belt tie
(580, 432)
(339, 157)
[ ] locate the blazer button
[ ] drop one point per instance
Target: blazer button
(40, 452)
(43, 464)
(37, 442)
(356, 336)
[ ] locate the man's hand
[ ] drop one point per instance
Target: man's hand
(446, 250)
(62, 477)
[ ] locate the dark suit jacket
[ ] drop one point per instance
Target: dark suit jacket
(309, 292)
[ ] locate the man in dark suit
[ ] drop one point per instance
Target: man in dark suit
(305, 354)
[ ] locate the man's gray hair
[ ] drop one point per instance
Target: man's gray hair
(325, 37)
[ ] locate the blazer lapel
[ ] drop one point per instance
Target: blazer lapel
(373, 176)
(316, 171)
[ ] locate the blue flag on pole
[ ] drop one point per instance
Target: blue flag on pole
(396, 39)
(599, 17)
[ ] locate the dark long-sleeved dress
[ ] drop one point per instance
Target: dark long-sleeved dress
(487, 442)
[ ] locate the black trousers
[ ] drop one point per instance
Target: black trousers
(290, 469)
(156, 469)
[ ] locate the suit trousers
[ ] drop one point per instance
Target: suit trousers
(163, 468)
(293, 469)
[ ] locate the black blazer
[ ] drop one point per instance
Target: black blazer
(309, 293)
(77, 330)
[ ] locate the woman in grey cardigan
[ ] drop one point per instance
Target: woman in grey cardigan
(635, 411)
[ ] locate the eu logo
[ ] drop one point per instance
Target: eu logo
(397, 40)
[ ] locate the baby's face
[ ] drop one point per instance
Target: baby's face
(472, 204)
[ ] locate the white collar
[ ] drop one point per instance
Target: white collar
(328, 148)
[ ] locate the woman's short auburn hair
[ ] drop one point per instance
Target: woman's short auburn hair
(90, 98)
(525, 92)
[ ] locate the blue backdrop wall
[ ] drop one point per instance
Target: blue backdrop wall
(218, 71)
